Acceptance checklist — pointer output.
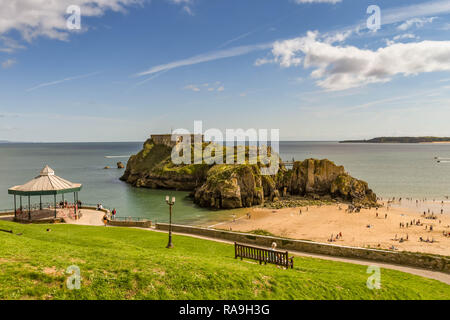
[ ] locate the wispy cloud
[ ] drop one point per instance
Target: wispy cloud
(52, 83)
(242, 36)
(8, 63)
(192, 87)
(187, 5)
(416, 22)
(211, 56)
(425, 9)
(9, 45)
(206, 86)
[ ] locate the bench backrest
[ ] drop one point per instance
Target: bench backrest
(261, 254)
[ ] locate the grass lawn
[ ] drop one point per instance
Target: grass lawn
(119, 263)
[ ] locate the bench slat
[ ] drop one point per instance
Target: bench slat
(263, 255)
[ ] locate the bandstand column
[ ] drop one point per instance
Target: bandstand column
(29, 208)
(55, 204)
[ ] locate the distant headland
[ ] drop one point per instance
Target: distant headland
(402, 140)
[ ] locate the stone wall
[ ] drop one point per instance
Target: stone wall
(166, 139)
(138, 224)
(421, 260)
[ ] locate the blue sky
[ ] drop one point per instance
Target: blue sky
(313, 70)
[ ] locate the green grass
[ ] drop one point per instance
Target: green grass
(119, 263)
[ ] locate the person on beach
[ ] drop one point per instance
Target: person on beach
(114, 214)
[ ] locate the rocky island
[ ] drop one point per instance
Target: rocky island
(228, 186)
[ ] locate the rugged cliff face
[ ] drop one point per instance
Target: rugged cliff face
(313, 177)
(226, 186)
(231, 187)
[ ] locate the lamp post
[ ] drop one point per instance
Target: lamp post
(170, 203)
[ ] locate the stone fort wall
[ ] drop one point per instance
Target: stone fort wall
(166, 139)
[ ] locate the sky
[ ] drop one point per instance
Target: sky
(314, 69)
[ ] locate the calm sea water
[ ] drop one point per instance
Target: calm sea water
(400, 170)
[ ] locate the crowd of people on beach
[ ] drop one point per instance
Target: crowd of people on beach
(428, 240)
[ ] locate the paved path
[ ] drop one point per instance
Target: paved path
(440, 276)
(88, 218)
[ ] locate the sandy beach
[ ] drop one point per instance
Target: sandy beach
(363, 229)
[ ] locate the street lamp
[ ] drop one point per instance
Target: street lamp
(170, 203)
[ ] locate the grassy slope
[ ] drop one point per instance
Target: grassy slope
(121, 263)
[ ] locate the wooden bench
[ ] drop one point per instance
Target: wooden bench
(280, 258)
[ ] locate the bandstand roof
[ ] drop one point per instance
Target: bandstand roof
(46, 183)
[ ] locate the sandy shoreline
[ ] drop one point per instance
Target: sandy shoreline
(363, 229)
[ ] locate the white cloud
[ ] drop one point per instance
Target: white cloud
(406, 36)
(340, 68)
(263, 61)
(210, 88)
(187, 5)
(8, 63)
(416, 22)
(34, 18)
(192, 88)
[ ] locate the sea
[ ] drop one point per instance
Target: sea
(392, 170)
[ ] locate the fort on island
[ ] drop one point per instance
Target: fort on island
(166, 139)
